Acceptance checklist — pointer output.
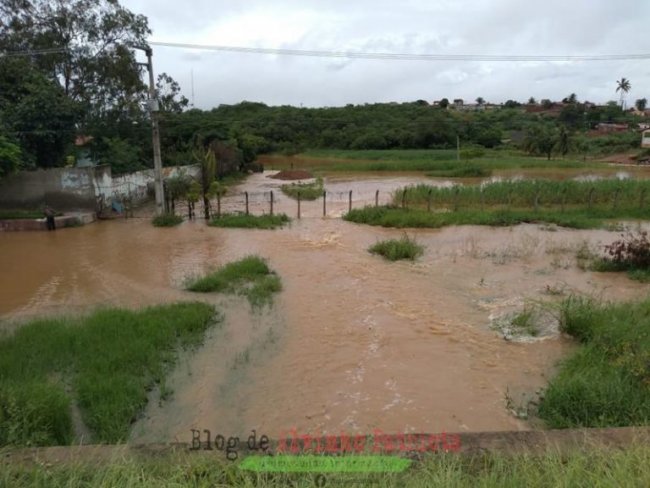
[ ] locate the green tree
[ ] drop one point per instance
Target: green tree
(532, 101)
(444, 103)
(10, 156)
(540, 139)
(641, 104)
(623, 86)
(120, 154)
(480, 101)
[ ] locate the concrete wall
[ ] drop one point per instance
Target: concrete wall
(61, 188)
(80, 188)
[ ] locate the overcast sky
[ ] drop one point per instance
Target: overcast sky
(498, 27)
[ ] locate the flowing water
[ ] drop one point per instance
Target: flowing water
(352, 342)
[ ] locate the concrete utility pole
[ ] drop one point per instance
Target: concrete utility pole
(153, 111)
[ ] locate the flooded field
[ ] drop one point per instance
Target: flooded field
(352, 343)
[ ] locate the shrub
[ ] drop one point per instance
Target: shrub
(243, 221)
(396, 249)
(167, 220)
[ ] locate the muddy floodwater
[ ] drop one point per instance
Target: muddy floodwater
(352, 342)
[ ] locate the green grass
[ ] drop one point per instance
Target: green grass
(605, 265)
(606, 194)
(432, 160)
(307, 191)
(463, 171)
(402, 218)
(596, 467)
(23, 214)
(396, 249)
(606, 383)
(166, 220)
(250, 221)
(250, 276)
(105, 362)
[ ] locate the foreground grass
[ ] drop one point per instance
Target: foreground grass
(390, 216)
(396, 249)
(306, 191)
(166, 220)
(606, 383)
(594, 468)
(250, 276)
(105, 362)
(250, 221)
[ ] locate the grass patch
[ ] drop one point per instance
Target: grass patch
(597, 467)
(612, 194)
(402, 218)
(106, 362)
(250, 277)
(166, 220)
(427, 160)
(464, 171)
(631, 254)
(307, 191)
(396, 249)
(23, 214)
(243, 221)
(606, 383)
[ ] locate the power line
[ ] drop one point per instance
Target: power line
(368, 55)
(403, 56)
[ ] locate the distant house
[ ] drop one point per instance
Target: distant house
(84, 157)
(645, 140)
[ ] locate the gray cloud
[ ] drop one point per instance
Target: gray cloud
(409, 26)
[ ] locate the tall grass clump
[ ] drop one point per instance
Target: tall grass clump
(630, 253)
(306, 191)
(593, 466)
(397, 249)
(606, 383)
(167, 220)
(244, 221)
(250, 277)
(105, 362)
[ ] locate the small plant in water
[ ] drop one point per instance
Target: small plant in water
(396, 249)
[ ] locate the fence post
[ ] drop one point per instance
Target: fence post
(456, 194)
(377, 198)
(246, 195)
(591, 197)
(429, 199)
(218, 205)
(536, 200)
(350, 202)
(298, 203)
(404, 198)
(563, 199)
(324, 203)
(509, 199)
(271, 202)
(482, 199)
(615, 203)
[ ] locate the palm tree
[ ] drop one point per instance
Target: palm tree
(623, 85)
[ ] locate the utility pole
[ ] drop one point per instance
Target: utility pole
(153, 112)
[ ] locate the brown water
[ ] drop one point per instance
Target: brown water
(352, 343)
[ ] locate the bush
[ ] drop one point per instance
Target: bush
(167, 220)
(396, 249)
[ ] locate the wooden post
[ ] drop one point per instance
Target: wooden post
(591, 197)
(615, 203)
(246, 195)
(350, 202)
(377, 198)
(536, 200)
(324, 203)
(563, 202)
(299, 204)
(404, 198)
(429, 199)
(482, 199)
(456, 196)
(271, 202)
(218, 205)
